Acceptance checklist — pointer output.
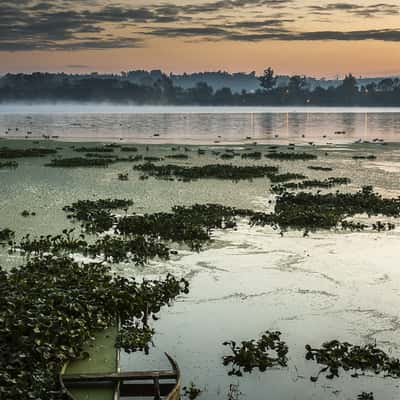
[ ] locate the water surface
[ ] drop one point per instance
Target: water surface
(200, 124)
(331, 285)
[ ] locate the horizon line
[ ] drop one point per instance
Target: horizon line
(339, 76)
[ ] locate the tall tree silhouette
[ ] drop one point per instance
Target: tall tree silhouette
(268, 79)
(349, 88)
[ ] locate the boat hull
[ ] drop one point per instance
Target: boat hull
(126, 384)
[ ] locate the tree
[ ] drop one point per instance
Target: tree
(349, 85)
(166, 87)
(201, 93)
(297, 83)
(223, 96)
(268, 80)
(371, 87)
(386, 85)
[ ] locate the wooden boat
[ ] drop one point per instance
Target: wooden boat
(160, 384)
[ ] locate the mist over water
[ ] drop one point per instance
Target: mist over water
(190, 124)
(114, 108)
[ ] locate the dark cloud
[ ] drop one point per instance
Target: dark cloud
(276, 33)
(372, 10)
(388, 35)
(233, 4)
(257, 24)
(32, 25)
(91, 44)
(72, 25)
(187, 32)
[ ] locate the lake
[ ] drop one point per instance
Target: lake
(199, 124)
(330, 285)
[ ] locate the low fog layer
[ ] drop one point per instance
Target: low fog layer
(112, 108)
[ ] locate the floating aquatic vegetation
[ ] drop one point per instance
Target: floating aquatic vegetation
(6, 235)
(290, 156)
(82, 208)
(27, 213)
(336, 356)
(365, 396)
(51, 306)
(97, 149)
(177, 156)
(114, 249)
(311, 184)
(252, 354)
(256, 155)
(133, 337)
(353, 226)
(144, 236)
(95, 214)
(359, 226)
(363, 201)
(383, 226)
(6, 152)
(129, 149)
(227, 156)
(98, 155)
(65, 242)
(324, 211)
(8, 164)
(189, 225)
(80, 162)
(137, 249)
(317, 168)
(152, 159)
(217, 171)
(192, 392)
(286, 177)
(193, 225)
(369, 157)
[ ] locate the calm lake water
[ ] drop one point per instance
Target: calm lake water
(199, 124)
(331, 285)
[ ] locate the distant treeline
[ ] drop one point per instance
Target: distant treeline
(53, 87)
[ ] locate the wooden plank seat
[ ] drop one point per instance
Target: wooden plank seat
(119, 377)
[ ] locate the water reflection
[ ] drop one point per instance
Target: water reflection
(229, 126)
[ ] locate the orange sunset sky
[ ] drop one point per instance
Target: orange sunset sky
(320, 38)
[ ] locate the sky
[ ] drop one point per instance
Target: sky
(320, 38)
